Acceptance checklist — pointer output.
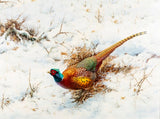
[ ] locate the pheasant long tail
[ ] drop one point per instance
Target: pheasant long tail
(106, 52)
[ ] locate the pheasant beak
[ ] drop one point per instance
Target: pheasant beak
(49, 72)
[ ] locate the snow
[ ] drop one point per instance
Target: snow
(119, 19)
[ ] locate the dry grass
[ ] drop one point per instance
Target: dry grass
(80, 53)
(99, 16)
(4, 1)
(32, 31)
(153, 56)
(80, 96)
(17, 23)
(32, 88)
(15, 29)
(5, 101)
(60, 30)
(139, 82)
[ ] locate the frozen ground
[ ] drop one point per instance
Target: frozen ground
(117, 19)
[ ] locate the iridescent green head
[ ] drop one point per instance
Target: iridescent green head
(58, 76)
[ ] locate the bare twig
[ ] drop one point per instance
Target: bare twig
(4, 1)
(60, 30)
(31, 89)
(153, 56)
(62, 44)
(134, 77)
(99, 17)
(139, 84)
(30, 86)
(48, 51)
(25, 95)
(4, 101)
(42, 36)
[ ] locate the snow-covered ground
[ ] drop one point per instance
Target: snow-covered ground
(98, 21)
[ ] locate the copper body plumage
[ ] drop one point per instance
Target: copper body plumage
(83, 74)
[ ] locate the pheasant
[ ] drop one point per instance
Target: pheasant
(83, 74)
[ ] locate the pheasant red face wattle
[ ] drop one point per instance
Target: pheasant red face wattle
(53, 72)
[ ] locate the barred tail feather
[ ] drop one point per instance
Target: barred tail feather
(106, 52)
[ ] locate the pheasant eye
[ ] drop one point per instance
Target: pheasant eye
(53, 72)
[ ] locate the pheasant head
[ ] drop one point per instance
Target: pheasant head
(57, 75)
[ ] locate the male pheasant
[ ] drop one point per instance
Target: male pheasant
(83, 74)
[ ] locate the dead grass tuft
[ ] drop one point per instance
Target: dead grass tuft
(78, 54)
(5, 101)
(80, 96)
(99, 16)
(18, 24)
(32, 31)
(31, 89)
(139, 82)
(5, 2)
(15, 29)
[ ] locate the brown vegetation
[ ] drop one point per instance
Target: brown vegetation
(80, 53)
